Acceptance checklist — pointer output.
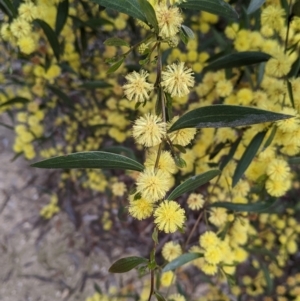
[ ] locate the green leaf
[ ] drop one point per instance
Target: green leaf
(248, 156)
(181, 260)
(60, 94)
(119, 149)
(269, 280)
(295, 160)
(217, 7)
(126, 264)
(128, 7)
(238, 59)
(188, 32)
(253, 207)
(114, 67)
(231, 153)
(149, 13)
(62, 15)
(183, 37)
(94, 23)
(97, 84)
(96, 159)
(159, 297)
(290, 93)
(8, 5)
(51, 36)
(262, 251)
(217, 116)
(271, 137)
(116, 42)
(15, 100)
(193, 183)
(254, 5)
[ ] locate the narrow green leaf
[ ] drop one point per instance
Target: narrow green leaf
(119, 149)
(217, 7)
(159, 297)
(14, 101)
(149, 13)
(97, 288)
(248, 156)
(262, 251)
(294, 70)
(254, 5)
(239, 207)
(126, 264)
(114, 67)
(63, 96)
(238, 59)
(9, 7)
(116, 42)
(183, 37)
(181, 260)
(128, 7)
(295, 160)
(94, 23)
(231, 153)
(290, 93)
(51, 36)
(193, 183)
(97, 84)
(188, 31)
(217, 116)
(62, 15)
(269, 280)
(271, 137)
(97, 159)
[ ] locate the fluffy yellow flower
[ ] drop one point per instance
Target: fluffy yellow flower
(118, 188)
(149, 130)
(224, 88)
(291, 124)
(278, 170)
(153, 185)
(195, 201)
(209, 269)
(277, 187)
(28, 11)
(177, 79)
(171, 250)
(27, 44)
(20, 28)
(272, 16)
(169, 20)
(208, 239)
(279, 65)
(166, 163)
(167, 278)
(183, 136)
(141, 208)
(218, 216)
(169, 216)
(137, 88)
(213, 255)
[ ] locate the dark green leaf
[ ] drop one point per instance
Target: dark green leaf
(61, 95)
(119, 149)
(115, 66)
(231, 153)
(217, 116)
(262, 251)
(94, 23)
(188, 32)
(97, 84)
(128, 7)
(97, 288)
(253, 207)
(294, 70)
(254, 5)
(90, 160)
(116, 42)
(269, 280)
(149, 13)
(51, 36)
(62, 15)
(271, 137)
(238, 59)
(248, 156)
(217, 7)
(193, 183)
(9, 7)
(14, 101)
(126, 264)
(181, 260)
(159, 297)
(290, 93)
(295, 160)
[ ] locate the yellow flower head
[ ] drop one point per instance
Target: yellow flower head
(279, 65)
(272, 16)
(149, 130)
(141, 208)
(27, 44)
(277, 187)
(213, 255)
(167, 278)
(118, 188)
(218, 216)
(20, 28)
(291, 124)
(171, 250)
(169, 20)
(209, 269)
(209, 238)
(153, 185)
(195, 201)
(166, 163)
(177, 79)
(137, 88)
(278, 169)
(176, 297)
(28, 11)
(183, 136)
(169, 216)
